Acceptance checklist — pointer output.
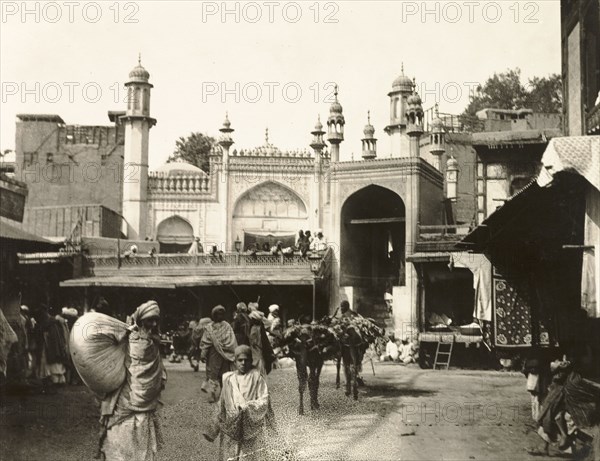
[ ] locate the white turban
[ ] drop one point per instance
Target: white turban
(388, 297)
(69, 312)
(273, 308)
(145, 311)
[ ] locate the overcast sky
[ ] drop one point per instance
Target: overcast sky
(74, 57)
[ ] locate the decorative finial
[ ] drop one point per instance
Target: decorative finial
(335, 92)
(267, 136)
(402, 67)
(369, 117)
(140, 59)
(319, 118)
(437, 113)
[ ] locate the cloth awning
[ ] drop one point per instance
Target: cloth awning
(14, 233)
(175, 230)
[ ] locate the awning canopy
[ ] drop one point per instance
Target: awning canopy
(191, 281)
(14, 233)
(545, 218)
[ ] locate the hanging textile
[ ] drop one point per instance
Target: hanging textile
(590, 273)
(481, 268)
(514, 316)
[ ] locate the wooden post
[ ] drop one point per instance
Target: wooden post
(314, 299)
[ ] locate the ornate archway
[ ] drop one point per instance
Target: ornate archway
(175, 235)
(267, 213)
(372, 240)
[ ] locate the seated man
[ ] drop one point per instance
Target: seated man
(407, 351)
(391, 350)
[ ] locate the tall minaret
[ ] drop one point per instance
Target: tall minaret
(137, 122)
(369, 143)
(402, 88)
(414, 122)
(335, 127)
(225, 141)
(335, 135)
(317, 144)
(437, 144)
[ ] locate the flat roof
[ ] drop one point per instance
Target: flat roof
(40, 118)
(174, 282)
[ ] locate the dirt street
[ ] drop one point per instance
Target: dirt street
(402, 413)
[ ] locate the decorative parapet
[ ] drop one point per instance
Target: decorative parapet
(403, 166)
(207, 264)
(161, 185)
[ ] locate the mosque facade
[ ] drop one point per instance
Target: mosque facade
(368, 209)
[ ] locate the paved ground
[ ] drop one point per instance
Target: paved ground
(402, 413)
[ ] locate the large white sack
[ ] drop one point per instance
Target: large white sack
(98, 347)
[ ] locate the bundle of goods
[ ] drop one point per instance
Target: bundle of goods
(98, 346)
(357, 328)
(314, 336)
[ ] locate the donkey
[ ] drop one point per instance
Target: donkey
(310, 346)
(352, 351)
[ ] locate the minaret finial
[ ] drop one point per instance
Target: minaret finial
(402, 67)
(369, 117)
(335, 92)
(319, 118)
(267, 135)
(140, 58)
(437, 112)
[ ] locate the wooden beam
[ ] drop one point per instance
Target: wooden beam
(376, 220)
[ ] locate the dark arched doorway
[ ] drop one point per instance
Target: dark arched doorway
(372, 241)
(175, 235)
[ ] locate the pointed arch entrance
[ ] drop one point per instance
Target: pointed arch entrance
(372, 243)
(175, 235)
(267, 213)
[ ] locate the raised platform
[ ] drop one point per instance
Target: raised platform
(182, 270)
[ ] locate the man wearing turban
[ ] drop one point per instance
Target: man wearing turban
(262, 351)
(131, 429)
(217, 350)
(242, 413)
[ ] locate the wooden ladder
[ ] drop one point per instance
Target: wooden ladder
(443, 355)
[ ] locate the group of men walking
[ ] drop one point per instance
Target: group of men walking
(238, 357)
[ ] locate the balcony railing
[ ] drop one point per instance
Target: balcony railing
(184, 264)
(185, 184)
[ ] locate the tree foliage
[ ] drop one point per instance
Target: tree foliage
(194, 149)
(504, 90)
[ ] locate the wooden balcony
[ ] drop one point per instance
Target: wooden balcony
(440, 237)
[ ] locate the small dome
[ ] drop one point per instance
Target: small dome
(402, 82)
(226, 122)
(336, 107)
(319, 125)
(437, 124)
(452, 163)
(414, 99)
(180, 168)
(139, 74)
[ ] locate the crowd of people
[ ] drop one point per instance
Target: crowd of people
(36, 348)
